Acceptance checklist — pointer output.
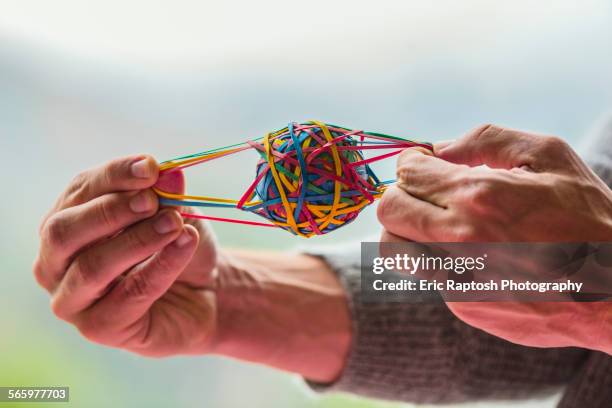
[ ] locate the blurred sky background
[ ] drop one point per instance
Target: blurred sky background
(82, 82)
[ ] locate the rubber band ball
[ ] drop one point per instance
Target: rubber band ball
(311, 179)
(323, 190)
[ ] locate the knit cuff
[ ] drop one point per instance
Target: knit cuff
(383, 359)
(419, 352)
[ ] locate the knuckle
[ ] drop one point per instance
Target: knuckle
(164, 263)
(554, 144)
(406, 155)
(107, 212)
(413, 156)
(482, 192)
(137, 286)
(108, 172)
(386, 204)
(39, 273)
(460, 179)
(465, 233)
(86, 267)
(550, 152)
(138, 239)
(411, 159)
(403, 172)
(43, 223)
(79, 185)
(78, 180)
(90, 328)
(55, 231)
(482, 129)
(57, 309)
(381, 209)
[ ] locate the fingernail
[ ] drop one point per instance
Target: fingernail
(141, 168)
(142, 202)
(166, 222)
(183, 239)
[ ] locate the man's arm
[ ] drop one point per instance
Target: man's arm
(286, 311)
(413, 352)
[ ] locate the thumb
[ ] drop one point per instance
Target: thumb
(493, 146)
(171, 181)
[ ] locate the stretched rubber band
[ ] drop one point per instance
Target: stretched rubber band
(312, 177)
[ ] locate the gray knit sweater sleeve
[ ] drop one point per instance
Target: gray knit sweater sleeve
(420, 352)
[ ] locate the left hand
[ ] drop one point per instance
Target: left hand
(503, 185)
(129, 275)
(124, 273)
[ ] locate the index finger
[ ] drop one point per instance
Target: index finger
(427, 177)
(124, 174)
(504, 148)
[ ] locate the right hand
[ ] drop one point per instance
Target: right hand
(126, 273)
(502, 185)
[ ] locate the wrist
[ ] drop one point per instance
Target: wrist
(285, 311)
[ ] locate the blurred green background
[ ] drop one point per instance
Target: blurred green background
(85, 81)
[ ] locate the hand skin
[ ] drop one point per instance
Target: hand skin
(134, 276)
(504, 185)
